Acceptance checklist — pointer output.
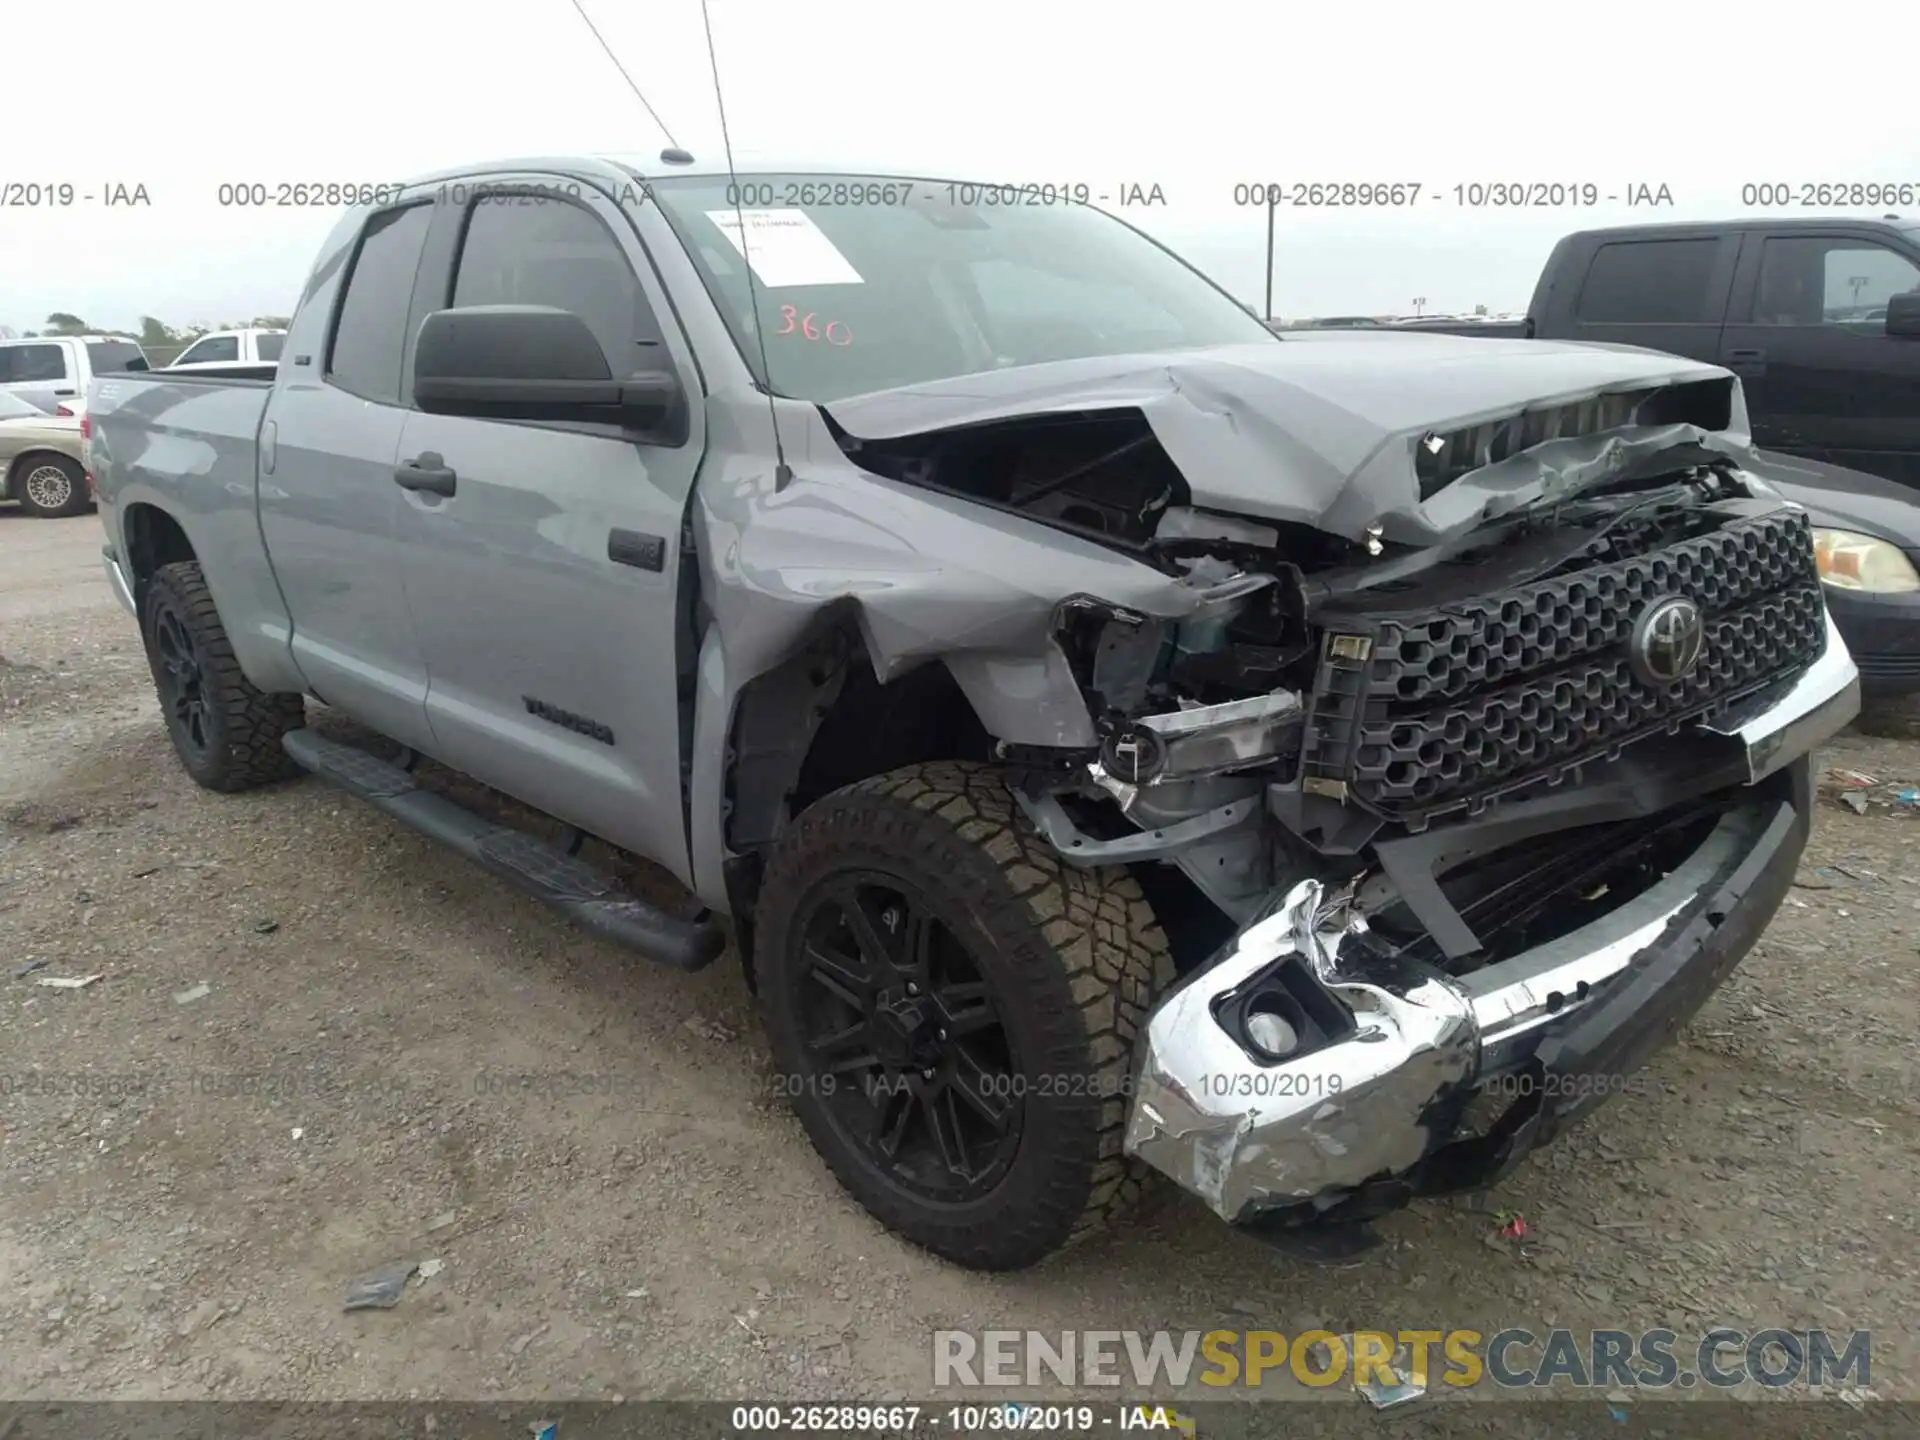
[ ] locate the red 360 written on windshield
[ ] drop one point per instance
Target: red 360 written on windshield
(810, 327)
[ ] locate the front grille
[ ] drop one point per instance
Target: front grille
(1428, 710)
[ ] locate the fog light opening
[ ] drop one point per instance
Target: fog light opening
(1270, 1029)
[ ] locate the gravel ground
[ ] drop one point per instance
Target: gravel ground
(658, 1226)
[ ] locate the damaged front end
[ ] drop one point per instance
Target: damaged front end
(1450, 830)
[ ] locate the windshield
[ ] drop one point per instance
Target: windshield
(14, 408)
(865, 283)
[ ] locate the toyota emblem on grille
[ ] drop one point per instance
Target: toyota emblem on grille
(1667, 641)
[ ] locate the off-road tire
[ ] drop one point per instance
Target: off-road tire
(243, 723)
(1076, 958)
(33, 502)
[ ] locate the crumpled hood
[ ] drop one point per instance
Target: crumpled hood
(1324, 433)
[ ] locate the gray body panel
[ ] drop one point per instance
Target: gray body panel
(514, 598)
(436, 620)
(190, 449)
(1312, 432)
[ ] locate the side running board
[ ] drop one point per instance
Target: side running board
(547, 873)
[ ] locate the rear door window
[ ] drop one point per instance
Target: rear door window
(1649, 282)
(269, 346)
(370, 333)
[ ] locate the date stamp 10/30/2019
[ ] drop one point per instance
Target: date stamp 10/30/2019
(1509, 194)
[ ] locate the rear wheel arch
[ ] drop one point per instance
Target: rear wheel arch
(152, 538)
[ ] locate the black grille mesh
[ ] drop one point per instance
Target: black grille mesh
(1477, 697)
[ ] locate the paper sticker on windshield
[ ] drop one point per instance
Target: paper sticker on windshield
(785, 247)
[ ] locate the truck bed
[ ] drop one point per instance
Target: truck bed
(187, 437)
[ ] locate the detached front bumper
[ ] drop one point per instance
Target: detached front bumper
(1366, 1111)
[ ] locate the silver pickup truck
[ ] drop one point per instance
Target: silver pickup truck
(1115, 737)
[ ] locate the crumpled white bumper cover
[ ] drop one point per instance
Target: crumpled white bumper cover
(1248, 1134)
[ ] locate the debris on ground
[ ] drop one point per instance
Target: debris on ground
(197, 992)
(520, 1342)
(31, 966)
(380, 1289)
(1859, 791)
(67, 982)
(206, 1313)
(431, 1268)
(265, 926)
(1509, 1227)
(442, 1220)
(1385, 1394)
(709, 1029)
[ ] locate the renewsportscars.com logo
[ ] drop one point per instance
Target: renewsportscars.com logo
(1515, 1358)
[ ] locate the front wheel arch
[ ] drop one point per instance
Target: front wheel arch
(1075, 956)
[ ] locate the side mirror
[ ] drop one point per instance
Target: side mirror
(1903, 315)
(532, 362)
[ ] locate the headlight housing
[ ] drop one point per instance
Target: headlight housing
(1851, 561)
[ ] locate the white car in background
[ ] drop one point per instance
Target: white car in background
(232, 347)
(49, 371)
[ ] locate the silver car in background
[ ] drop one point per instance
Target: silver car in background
(42, 460)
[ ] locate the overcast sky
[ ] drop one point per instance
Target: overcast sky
(182, 95)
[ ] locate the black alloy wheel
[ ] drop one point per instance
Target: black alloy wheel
(224, 728)
(952, 1011)
(905, 1038)
(177, 678)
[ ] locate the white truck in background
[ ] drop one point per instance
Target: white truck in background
(52, 372)
(232, 347)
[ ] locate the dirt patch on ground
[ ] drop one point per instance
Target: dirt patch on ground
(394, 1057)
